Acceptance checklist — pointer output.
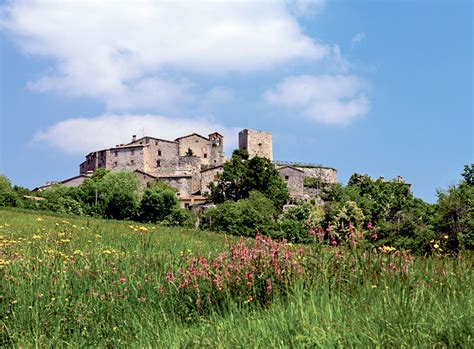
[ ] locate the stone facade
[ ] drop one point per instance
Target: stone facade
(210, 175)
(191, 162)
(294, 179)
(256, 143)
(326, 174)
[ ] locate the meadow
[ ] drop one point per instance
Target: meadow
(80, 281)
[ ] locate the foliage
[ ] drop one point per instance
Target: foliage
(245, 217)
(119, 193)
(455, 216)
(296, 222)
(8, 197)
(254, 272)
(157, 204)
(241, 176)
(468, 174)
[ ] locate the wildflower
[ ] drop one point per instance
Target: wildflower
(375, 236)
(123, 279)
(248, 300)
(436, 246)
(446, 237)
(36, 237)
(39, 219)
(143, 229)
(269, 284)
(312, 232)
(78, 252)
(369, 225)
(374, 286)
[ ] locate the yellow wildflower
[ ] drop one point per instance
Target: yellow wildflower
(39, 219)
(374, 286)
(36, 237)
(446, 236)
(436, 246)
(144, 229)
(78, 252)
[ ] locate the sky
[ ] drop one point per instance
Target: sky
(376, 87)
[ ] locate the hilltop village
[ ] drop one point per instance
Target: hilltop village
(190, 163)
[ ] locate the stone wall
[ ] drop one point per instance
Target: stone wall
(256, 143)
(294, 179)
(129, 158)
(184, 184)
(210, 175)
(161, 157)
(216, 149)
(326, 174)
(199, 145)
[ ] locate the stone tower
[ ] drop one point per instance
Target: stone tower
(256, 143)
(216, 141)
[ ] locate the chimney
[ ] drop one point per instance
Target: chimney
(134, 138)
(399, 179)
(382, 178)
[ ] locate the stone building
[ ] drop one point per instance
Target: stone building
(256, 143)
(294, 179)
(177, 162)
(191, 162)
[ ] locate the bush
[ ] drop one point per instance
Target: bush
(245, 217)
(8, 197)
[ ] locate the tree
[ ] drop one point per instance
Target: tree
(157, 204)
(190, 152)
(241, 176)
(455, 216)
(118, 192)
(468, 174)
(8, 197)
(244, 217)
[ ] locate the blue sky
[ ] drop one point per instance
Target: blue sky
(377, 87)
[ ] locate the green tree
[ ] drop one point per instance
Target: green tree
(244, 217)
(468, 174)
(8, 197)
(455, 216)
(157, 204)
(118, 193)
(241, 176)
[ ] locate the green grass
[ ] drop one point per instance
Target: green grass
(74, 281)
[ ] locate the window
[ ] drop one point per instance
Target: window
(156, 142)
(186, 205)
(133, 152)
(205, 156)
(115, 153)
(216, 178)
(286, 178)
(158, 163)
(259, 144)
(132, 162)
(159, 152)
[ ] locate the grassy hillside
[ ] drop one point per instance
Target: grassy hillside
(89, 282)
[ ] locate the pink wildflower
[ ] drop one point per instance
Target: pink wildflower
(312, 232)
(123, 279)
(369, 225)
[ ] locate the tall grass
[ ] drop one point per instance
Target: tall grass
(68, 281)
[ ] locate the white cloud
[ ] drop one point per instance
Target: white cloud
(118, 52)
(356, 39)
(83, 135)
(305, 7)
(330, 99)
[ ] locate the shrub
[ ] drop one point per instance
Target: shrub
(244, 273)
(245, 217)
